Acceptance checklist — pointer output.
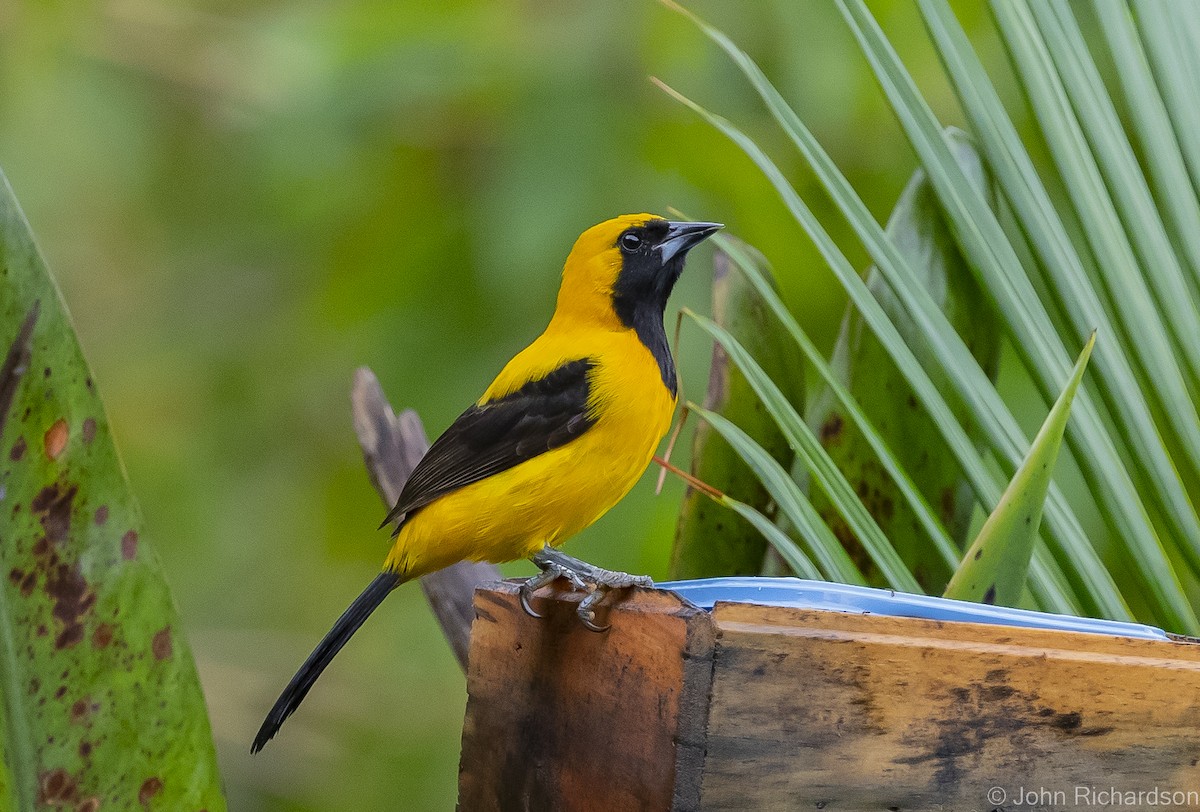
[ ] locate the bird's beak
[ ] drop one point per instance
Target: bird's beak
(682, 237)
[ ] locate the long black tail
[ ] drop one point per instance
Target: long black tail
(346, 626)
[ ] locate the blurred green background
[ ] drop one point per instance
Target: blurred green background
(243, 201)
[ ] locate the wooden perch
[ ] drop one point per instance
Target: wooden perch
(392, 446)
(749, 707)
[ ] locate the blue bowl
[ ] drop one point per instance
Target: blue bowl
(801, 594)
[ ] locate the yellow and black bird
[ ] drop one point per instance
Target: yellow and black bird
(561, 435)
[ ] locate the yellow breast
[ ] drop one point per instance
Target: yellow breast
(548, 499)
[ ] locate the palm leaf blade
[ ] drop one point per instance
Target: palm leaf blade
(996, 565)
(824, 470)
(829, 556)
(982, 238)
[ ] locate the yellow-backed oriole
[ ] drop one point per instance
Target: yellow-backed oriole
(561, 435)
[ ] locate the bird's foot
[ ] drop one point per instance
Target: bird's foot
(583, 577)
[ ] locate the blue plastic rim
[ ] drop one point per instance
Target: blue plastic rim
(801, 594)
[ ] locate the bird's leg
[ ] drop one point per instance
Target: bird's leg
(584, 577)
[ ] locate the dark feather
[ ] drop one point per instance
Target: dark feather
(347, 625)
(542, 415)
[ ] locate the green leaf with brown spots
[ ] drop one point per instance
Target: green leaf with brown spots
(102, 708)
(709, 540)
(865, 368)
(995, 568)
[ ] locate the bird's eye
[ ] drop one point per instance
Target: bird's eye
(630, 242)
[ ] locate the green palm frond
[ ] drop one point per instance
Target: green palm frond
(1123, 261)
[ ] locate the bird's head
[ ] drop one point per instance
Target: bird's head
(626, 266)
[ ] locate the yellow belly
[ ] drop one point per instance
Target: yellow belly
(553, 496)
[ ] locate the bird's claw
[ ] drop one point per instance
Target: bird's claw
(583, 577)
(587, 615)
(524, 596)
(548, 574)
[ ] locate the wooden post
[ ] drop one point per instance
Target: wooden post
(767, 708)
(562, 718)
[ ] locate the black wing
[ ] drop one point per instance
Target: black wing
(543, 414)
